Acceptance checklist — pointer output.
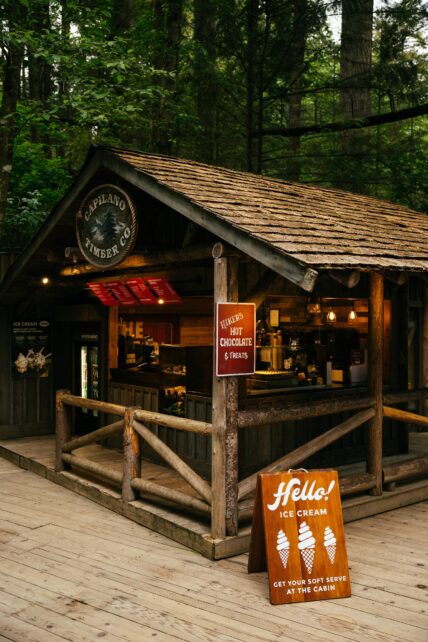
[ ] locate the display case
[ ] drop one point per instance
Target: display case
(191, 366)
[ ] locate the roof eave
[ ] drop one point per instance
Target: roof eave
(90, 167)
(299, 274)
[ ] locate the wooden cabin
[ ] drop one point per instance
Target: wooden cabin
(110, 310)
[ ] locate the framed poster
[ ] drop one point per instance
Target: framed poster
(298, 536)
(31, 341)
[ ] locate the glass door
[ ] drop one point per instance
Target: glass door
(87, 384)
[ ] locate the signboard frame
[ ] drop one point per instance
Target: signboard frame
(298, 536)
(250, 334)
(106, 225)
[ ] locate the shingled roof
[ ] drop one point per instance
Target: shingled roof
(319, 228)
(295, 230)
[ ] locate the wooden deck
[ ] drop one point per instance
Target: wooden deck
(36, 454)
(70, 569)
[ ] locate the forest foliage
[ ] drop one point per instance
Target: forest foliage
(206, 80)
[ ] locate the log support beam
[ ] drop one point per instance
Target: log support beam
(93, 437)
(184, 470)
(63, 428)
(224, 515)
(376, 320)
(425, 345)
(131, 456)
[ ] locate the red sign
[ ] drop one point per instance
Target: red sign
(141, 292)
(121, 292)
(298, 535)
(102, 293)
(235, 339)
(162, 289)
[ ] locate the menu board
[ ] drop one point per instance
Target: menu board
(163, 289)
(101, 292)
(235, 339)
(31, 347)
(135, 291)
(121, 292)
(298, 535)
(140, 291)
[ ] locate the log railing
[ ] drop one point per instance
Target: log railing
(132, 423)
(133, 430)
(290, 460)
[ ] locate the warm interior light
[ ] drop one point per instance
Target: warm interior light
(161, 301)
(331, 315)
(313, 307)
(45, 280)
(352, 315)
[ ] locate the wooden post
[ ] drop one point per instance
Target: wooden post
(113, 319)
(131, 456)
(425, 346)
(224, 515)
(374, 445)
(63, 427)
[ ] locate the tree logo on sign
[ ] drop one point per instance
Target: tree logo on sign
(106, 226)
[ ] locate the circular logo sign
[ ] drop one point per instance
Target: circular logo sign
(106, 226)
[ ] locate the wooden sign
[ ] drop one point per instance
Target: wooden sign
(235, 339)
(106, 226)
(298, 536)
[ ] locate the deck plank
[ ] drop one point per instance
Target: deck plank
(71, 569)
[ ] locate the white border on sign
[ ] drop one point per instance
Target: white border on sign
(234, 374)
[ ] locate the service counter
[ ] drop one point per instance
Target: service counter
(300, 358)
(260, 445)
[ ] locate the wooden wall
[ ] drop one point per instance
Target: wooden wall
(26, 403)
(196, 330)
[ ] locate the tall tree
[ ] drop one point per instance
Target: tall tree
(168, 20)
(205, 77)
(124, 15)
(39, 69)
(252, 14)
(296, 66)
(13, 53)
(355, 76)
(356, 57)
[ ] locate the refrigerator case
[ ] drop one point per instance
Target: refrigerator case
(89, 375)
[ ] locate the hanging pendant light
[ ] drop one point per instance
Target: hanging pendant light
(352, 314)
(331, 316)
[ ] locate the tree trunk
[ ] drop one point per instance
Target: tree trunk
(356, 57)
(168, 18)
(206, 89)
(251, 53)
(355, 66)
(13, 58)
(297, 59)
(39, 70)
(123, 16)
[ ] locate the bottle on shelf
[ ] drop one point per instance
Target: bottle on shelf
(130, 349)
(263, 329)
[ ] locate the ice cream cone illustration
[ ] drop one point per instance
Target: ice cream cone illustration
(306, 546)
(330, 543)
(283, 547)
